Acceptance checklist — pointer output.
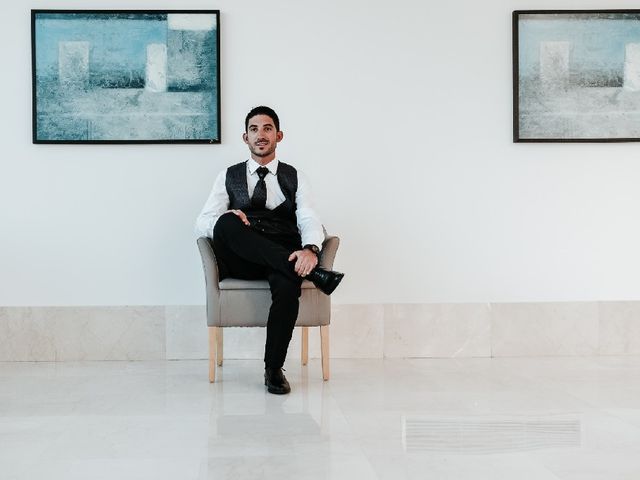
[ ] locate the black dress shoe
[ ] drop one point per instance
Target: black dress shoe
(325, 280)
(275, 381)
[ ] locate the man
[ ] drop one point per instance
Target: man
(261, 219)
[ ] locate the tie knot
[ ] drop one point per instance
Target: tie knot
(262, 172)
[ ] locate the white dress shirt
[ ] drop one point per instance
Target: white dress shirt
(309, 224)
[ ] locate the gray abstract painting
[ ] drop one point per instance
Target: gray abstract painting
(125, 76)
(577, 76)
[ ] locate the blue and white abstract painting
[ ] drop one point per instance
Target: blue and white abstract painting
(578, 76)
(125, 77)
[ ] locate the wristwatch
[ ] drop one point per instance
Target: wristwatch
(313, 248)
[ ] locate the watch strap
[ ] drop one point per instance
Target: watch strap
(313, 248)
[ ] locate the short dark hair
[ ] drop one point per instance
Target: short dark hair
(262, 110)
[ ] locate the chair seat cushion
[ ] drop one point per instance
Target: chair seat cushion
(237, 284)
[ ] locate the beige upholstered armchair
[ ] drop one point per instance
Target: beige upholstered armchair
(245, 303)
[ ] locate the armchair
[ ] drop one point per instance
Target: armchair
(245, 303)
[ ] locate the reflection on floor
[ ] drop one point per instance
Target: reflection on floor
(507, 418)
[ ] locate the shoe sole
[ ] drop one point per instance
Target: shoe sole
(334, 285)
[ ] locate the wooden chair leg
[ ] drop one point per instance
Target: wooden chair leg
(305, 345)
(324, 347)
(219, 346)
(212, 353)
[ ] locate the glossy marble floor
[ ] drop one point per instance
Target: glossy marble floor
(506, 418)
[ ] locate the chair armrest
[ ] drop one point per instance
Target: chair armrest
(209, 263)
(329, 250)
(212, 279)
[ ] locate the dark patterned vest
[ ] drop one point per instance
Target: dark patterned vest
(279, 223)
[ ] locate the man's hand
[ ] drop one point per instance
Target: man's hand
(306, 261)
(241, 215)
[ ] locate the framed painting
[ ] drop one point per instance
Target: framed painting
(125, 76)
(576, 76)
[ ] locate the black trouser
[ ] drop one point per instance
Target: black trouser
(246, 254)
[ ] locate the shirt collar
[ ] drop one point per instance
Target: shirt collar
(272, 166)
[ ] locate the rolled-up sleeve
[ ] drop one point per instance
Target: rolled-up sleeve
(216, 205)
(309, 224)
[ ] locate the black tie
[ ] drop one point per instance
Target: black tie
(259, 198)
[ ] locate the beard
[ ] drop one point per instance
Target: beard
(262, 153)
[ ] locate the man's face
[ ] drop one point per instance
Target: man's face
(262, 137)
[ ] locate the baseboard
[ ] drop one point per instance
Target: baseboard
(357, 331)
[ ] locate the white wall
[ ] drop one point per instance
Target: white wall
(399, 112)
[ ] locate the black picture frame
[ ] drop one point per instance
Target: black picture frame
(125, 76)
(583, 86)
